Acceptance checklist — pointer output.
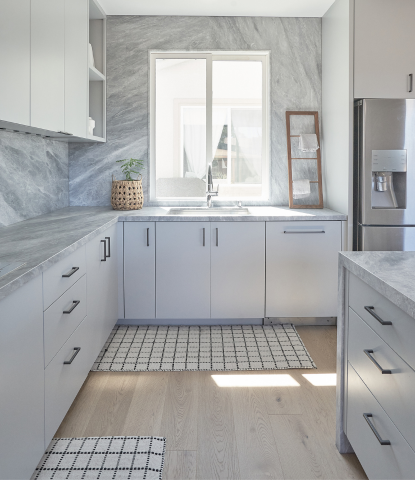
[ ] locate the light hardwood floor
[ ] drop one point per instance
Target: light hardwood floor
(223, 433)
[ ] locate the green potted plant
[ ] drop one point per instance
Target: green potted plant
(128, 194)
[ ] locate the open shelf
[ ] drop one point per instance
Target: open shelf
(95, 75)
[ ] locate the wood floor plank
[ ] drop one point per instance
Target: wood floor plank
(321, 343)
(283, 400)
(179, 422)
(217, 456)
(180, 465)
(257, 451)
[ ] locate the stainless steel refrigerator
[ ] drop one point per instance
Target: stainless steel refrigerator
(384, 175)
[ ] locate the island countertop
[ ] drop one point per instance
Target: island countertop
(42, 241)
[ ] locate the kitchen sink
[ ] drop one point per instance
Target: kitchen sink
(205, 211)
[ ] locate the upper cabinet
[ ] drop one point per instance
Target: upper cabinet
(384, 54)
(50, 84)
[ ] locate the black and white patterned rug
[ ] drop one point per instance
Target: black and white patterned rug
(171, 348)
(103, 458)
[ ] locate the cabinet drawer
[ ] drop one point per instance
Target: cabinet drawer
(54, 284)
(400, 334)
(394, 461)
(63, 381)
(394, 391)
(58, 325)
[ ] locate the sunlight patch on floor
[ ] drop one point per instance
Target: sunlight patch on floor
(255, 381)
(321, 379)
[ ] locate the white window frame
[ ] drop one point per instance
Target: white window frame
(263, 56)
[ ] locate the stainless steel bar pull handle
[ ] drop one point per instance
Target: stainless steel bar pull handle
(204, 236)
(65, 133)
(71, 272)
(105, 251)
(366, 416)
(148, 237)
(411, 82)
(77, 350)
(304, 231)
(374, 315)
(217, 237)
(375, 363)
(109, 246)
(75, 303)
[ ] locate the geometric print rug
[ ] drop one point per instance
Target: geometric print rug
(103, 458)
(197, 348)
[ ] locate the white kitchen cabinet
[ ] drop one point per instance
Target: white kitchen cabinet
(21, 382)
(183, 270)
(15, 61)
(301, 265)
(140, 270)
(76, 70)
(102, 284)
(48, 64)
(384, 54)
(237, 269)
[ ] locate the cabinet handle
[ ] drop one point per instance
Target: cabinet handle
(105, 251)
(75, 303)
(368, 353)
(366, 416)
(311, 231)
(203, 236)
(148, 237)
(77, 350)
(109, 246)
(382, 322)
(65, 133)
(217, 237)
(71, 272)
(411, 82)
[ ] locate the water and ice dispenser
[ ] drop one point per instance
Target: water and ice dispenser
(389, 178)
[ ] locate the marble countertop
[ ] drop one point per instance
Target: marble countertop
(390, 273)
(42, 241)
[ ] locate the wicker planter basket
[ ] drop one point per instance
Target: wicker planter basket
(127, 195)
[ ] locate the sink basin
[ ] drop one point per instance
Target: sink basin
(205, 211)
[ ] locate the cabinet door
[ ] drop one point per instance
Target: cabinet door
(15, 61)
(182, 270)
(76, 67)
(21, 381)
(302, 269)
(140, 270)
(102, 284)
(48, 64)
(384, 48)
(237, 269)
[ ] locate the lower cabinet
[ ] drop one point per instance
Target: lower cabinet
(21, 382)
(237, 269)
(102, 285)
(301, 268)
(183, 270)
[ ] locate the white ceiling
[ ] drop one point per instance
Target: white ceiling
(251, 8)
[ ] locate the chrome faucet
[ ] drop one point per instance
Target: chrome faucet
(210, 192)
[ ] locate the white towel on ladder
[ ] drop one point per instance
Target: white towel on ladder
(301, 189)
(309, 142)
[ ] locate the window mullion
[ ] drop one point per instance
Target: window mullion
(209, 156)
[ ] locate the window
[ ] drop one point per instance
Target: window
(209, 108)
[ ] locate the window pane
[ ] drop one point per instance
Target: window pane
(237, 130)
(180, 128)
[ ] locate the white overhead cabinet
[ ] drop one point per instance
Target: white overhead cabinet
(237, 269)
(140, 270)
(384, 54)
(183, 270)
(301, 266)
(21, 382)
(15, 61)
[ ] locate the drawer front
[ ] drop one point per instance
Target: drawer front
(400, 334)
(63, 381)
(394, 391)
(58, 325)
(54, 284)
(394, 461)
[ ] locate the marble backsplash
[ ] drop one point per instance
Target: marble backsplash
(33, 176)
(295, 81)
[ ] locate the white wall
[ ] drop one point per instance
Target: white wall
(337, 108)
